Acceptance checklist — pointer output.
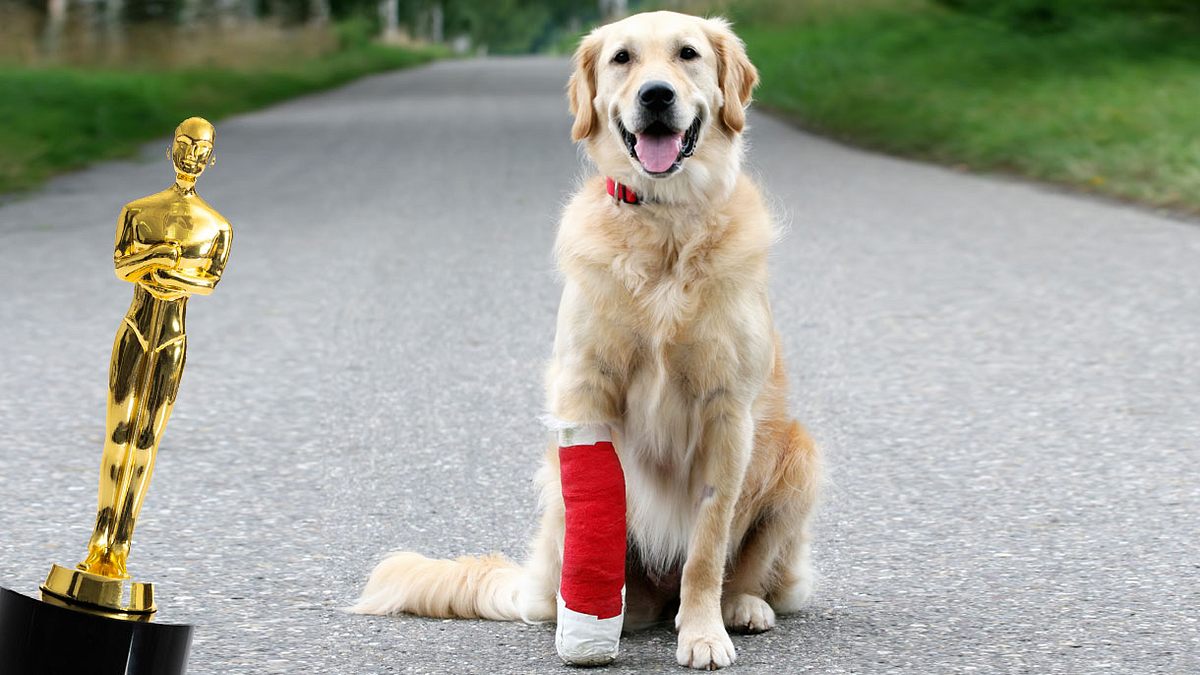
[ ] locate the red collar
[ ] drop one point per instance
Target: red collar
(622, 193)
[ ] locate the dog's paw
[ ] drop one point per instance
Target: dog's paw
(705, 649)
(747, 614)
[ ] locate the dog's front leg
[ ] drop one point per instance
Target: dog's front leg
(726, 445)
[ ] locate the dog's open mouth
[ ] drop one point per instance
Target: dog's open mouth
(659, 148)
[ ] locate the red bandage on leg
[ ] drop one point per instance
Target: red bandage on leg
(593, 570)
(593, 488)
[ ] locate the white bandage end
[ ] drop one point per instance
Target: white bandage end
(584, 640)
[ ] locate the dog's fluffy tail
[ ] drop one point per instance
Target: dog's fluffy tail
(467, 588)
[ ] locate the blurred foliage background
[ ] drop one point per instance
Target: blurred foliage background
(1101, 95)
(84, 80)
(141, 31)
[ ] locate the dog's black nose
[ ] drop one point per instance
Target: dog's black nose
(656, 95)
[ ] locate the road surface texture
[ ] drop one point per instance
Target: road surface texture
(1006, 381)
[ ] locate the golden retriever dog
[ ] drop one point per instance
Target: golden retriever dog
(665, 335)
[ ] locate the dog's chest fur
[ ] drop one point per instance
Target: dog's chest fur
(661, 429)
(669, 297)
(666, 273)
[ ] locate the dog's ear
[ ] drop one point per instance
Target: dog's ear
(736, 75)
(581, 88)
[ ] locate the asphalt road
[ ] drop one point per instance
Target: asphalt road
(1006, 380)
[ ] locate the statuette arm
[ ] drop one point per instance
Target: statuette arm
(133, 266)
(130, 264)
(199, 284)
(203, 279)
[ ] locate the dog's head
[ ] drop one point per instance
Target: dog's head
(660, 100)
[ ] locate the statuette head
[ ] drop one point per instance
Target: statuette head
(192, 149)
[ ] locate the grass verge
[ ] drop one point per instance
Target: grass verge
(60, 118)
(1108, 104)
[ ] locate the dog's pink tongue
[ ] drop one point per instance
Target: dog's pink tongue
(658, 153)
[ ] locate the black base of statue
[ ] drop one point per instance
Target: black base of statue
(37, 638)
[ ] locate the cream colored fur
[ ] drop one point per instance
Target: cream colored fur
(665, 334)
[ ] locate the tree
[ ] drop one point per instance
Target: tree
(389, 19)
(318, 12)
(56, 20)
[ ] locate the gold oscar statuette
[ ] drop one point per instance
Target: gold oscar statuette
(169, 245)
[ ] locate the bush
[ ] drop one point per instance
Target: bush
(355, 32)
(1108, 104)
(54, 119)
(1054, 15)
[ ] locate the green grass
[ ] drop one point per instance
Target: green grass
(56, 119)
(1111, 104)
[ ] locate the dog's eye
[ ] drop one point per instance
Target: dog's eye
(687, 54)
(621, 57)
